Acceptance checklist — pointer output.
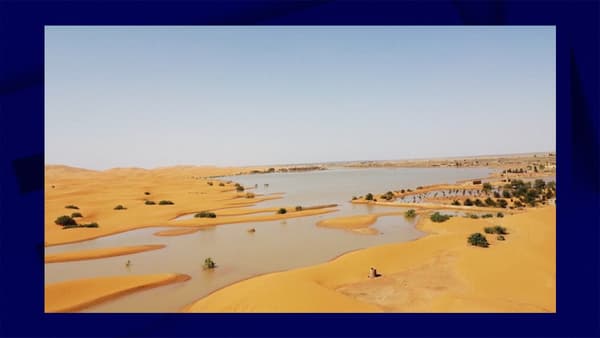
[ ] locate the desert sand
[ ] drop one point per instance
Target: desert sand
(75, 295)
(99, 253)
(440, 272)
(96, 193)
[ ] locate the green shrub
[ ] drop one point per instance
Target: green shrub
(487, 187)
(369, 197)
(499, 215)
(209, 263)
(150, 203)
(502, 203)
(455, 202)
(478, 202)
(496, 194)
(477, 239)
(65, 221)
(438, 218)
(281, 211)
(468, 202)
(120, 207)
(90, 225)
(76, 214)
(490, 202)
(474, 216)
(71, 206)
(500, 238)
(165, 202)
(506, 194)
(487, 216)
(410, 213)
(298, 208)
(388, 196)
(206, 214)
(488, 230)
(500, 230)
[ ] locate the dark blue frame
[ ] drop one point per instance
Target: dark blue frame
(22, 202)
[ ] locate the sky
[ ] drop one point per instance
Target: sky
(233, 96)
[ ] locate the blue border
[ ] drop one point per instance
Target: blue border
(22, 203)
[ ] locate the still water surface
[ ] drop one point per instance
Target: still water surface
(275, 246)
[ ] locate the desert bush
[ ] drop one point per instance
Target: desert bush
(468, 202)
(221, 184)
(438, 218)
(76, 214)
(71, 206)
(497, 194)
(281, 211)
(205, 214)
(500, 238)
(249, 195)
(89, 225)
(455, 202)
(488, 230)
(478, 203)
(150, 203)
(490, 202)
(369, 197)
(65, 221)
(506, 194)
(518, 204)
(209, 263)
(477, 239)
(474, 216)
(120, 207)
(146, 193)
(353, 198)
(165, 202)
(239, 188)
(487, 187)
(499, 215)
(388, 196)
(500, 230)
(502, 203)
(410, 213)
(487, 216)
(298, 208)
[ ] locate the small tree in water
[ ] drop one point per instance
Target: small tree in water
(209, 263)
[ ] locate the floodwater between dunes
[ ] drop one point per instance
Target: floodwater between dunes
(274, 246)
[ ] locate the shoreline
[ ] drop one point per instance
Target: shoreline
(437, 234)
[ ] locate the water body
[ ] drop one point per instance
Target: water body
(275, 246)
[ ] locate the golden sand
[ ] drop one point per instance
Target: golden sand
(96, 193)
(437, 273)
(75, 295)
(99, 253)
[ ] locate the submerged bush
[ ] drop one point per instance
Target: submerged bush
(165, 202)
(205, 214)
(76, 214)
(477, 239)
(71, 206)
(209, 263)
(150, 203)
(65, 221)
(298, 208)
(410, 213)
(281, 211)
(120, 207)
(438, 218)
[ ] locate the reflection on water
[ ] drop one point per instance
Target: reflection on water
(275, 246)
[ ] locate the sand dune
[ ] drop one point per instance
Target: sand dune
(99, 253)
(75, 295)
(437, 273)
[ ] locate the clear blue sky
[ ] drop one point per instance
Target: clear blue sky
(159, 96)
